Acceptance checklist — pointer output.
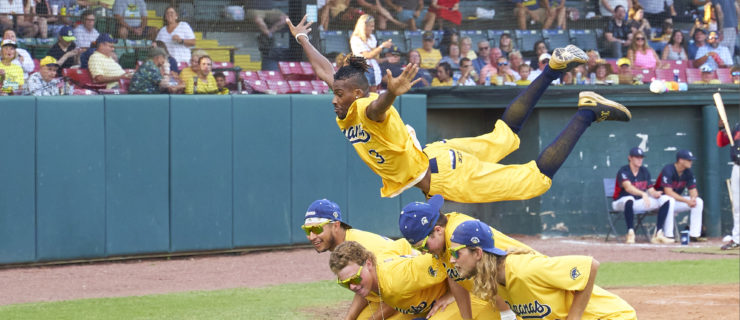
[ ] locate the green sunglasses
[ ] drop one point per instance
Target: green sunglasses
(453, 251)
(423, 246)
(356, 279)
(317, 229)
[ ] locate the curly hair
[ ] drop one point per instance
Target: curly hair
(349, 251)
(354, 68)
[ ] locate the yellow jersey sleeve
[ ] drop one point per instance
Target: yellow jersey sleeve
(410, 284)
(386, 147)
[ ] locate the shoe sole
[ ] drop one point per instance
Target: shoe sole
(592, 99)
(567, 58)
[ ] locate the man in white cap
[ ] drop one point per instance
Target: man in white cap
(44, 82)
(543, 61)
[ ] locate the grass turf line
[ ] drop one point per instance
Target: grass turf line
(287, 301)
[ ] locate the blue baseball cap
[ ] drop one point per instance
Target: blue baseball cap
(475, 233)
(685, 154)
(67, 33)
(637, 152)
(324, 209)
(417, 219)
(105, 37)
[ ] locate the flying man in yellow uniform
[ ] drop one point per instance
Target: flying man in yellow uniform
(534, 286)
(462, 169)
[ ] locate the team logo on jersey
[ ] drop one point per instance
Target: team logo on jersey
(424, 221)
(574, 273)
(414, 309)
(474, 240)
(532, 310)
(432, 272)
(355, 134)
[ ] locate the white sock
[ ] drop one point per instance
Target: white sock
(508, 315)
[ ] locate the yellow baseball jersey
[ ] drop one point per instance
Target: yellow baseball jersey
(466, 169)
(386, 147)
(410, 284)
(376, 244)
(13, 77)
(540, 287)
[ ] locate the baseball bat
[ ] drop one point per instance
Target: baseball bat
(723, 115)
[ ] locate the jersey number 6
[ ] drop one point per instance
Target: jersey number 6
(377, 155)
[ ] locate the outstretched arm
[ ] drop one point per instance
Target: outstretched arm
(396, 87)
(321, 66)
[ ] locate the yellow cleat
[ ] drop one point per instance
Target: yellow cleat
(565, 59)
(604, 108)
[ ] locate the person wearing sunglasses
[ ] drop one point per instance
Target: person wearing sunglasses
(326, 230)
(713, 54)
(560, 287)
(428, 230)
(642, 55)
(415, 286)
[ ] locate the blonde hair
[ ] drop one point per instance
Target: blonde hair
(633, 45)
(485, 285)
(360, 26)
(199, 53)
(349, 251)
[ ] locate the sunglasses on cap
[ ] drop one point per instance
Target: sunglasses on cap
(454, 251)
(355, 279)
(316, 229)
(423, 246)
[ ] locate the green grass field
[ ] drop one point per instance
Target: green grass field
(286, 301)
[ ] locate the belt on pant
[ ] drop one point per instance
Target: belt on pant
(433, 168)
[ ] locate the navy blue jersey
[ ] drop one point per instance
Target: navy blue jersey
(640, 181)
(669, 178)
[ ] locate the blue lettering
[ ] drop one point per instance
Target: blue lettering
(355, 134)
(414, 309)
(532, 310)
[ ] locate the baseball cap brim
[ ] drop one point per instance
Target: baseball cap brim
(495, 251)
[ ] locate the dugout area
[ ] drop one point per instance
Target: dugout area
(107, 176)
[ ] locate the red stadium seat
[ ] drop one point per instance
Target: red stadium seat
(301, 86)
(222, 65)
(82, 78)
(252, 86)
(307, 69)
(83, 92)
(279, 86)
(230, 76)
(693, 75)
(182, 65)
(291, 70)
(270, 75)
(667, 75)
(249, 75)
(647, 74)
(320, 86)
(681, 65)
(613, 62)
(724, 75)
(123, 85)
(36, 65)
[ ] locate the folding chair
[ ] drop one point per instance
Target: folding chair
(613, 216)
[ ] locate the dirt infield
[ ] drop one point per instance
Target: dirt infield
(142, 277)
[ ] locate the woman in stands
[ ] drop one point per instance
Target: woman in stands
(364, 44)
(23, 59)
(505, 44)
(204, 82)
(444, 76)
(446, 10)
(675, 49)
(637, 20)
(539, 48)
(11, 75)
(466, 51)
(176, 35)
(641, 54)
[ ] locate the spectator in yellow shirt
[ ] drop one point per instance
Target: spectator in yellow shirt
(221, 82)
(203, 82)
(444, 75)
(524, 70)
(429, 56)
(102, 66)
(11, 75)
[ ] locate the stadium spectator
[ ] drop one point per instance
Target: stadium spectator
(642, 55)
(23, 58)
(700, 40)
(221, 83)
(608, 7)
(673, 179)
(444, 76)
(617, 33)
(484, 55)
(492, 66)
(429, 55)
(85, 33)
(103, 67)
(150, 78)
(505, 44)
(675, 48)
(9, 21)
(542, 62)
(524, 70)
(44, 82)
(735, 72)
(466, 48)
(468, 76)
(727, 23)
(504, 72)
(108, 4)
(666, 31)
(177, 36)
(392, 62)
(604, 73)
(557, 12)
(637, 20)
(655, 11)
(172, 64)
(593, 58)
(65, 49)
(440, 11)
(539, 48)
(203, 82)
(533, 11)
(381, 14)
(11, 74)
(132, 16)
(449, 36)
(410, 12)
(191, 72)
(625, 71)
(453, 58)
(424, 74)
(707, 75)
(364, 44)
(713, 54)
(515, 60)
(333, 11)
(577, 75)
